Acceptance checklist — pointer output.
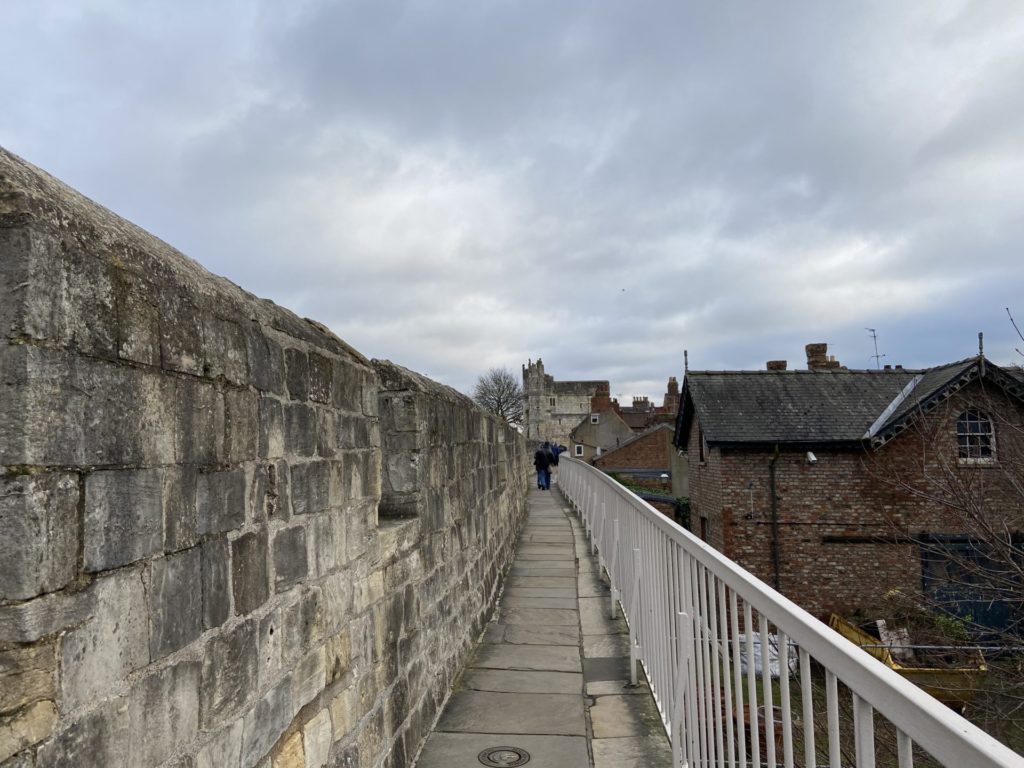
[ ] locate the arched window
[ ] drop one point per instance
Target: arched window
(974, 436)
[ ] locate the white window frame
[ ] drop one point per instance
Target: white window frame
(595, 418)
(980, 416)
(577, 450)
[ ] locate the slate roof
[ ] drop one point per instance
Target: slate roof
(814, 407)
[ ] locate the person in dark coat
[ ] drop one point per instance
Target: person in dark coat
(542, 461)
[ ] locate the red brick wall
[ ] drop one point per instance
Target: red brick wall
(853, 495)
(647, 452)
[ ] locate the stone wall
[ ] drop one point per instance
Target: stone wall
(192, 568)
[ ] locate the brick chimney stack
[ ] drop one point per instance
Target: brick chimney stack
(818, 358)
(777, 365)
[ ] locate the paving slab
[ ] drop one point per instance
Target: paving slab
(540, 592)
(538, 602)
(461, 750)
(543, 617)
(632, 752)
(521, 681)
(551, 582)
(505, 633)
(556, 658)
(566, 572)
(606, 668)
(605, 645)
(537, 713)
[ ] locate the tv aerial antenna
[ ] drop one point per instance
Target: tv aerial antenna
(876, 357)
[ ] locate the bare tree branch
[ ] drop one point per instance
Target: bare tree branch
(499, 392)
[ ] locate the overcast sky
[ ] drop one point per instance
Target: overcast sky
(461, 185)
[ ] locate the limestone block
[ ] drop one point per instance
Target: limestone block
(316, 740)
(198, 422)
(300, 434)
(320, 378)
(100, 739)
(291, 753)
(26, 675)
(164, 713)
(265, 722)
(400, 412)
(138, 320)
(326, 433)
(249, 571)
(22, 308)
(311, 485)
(326, 543)
(309, 678)
(336, 599)
(224, 749)
(368, 591)
(371, 739)
(278, 502)
(220, 501)
(26, 728)
(181, 333)
(226, 350)
(271, 642)
(29, 621)
(303, 627)
(180, 517)
(98, 655)
(345, 713)
(175, 604)
(297, 364)
(266, 360)
(346, 387)
(216, 580)
(123, 517)
(241, 424)
(290, 563)
(228, 676)
(84, 315)
(39, 533)
(338, 651)
(271, 437)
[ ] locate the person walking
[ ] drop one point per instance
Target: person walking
(555, 450)
(542, 461)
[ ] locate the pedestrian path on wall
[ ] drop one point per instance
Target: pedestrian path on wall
(548, 685)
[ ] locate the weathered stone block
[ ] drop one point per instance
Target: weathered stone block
(224, 749)
(123, 517)
(320, 378)
(29, 621)
(316, 740)
(271, 443)
(229, 675)
(100, 739)
(291, 753)
(326, 542)
(97, 656)
(39, 533)
(300, 433)
(345, 712)
(346, 387)
(265, 723)
(298, 373)
(311, 486)
(303, 627)
(180, 518)
(27, 675)
(250, 571)
(266, 360)
(216, 582)
(271, 643)
(164, 713)
(198, 422)
(242, 425)
(138, 320)
(226, 350)
(181, 333)
(338, 651)
(28, 727)
(290, 565)
(309, 678)
(175, 603)
(220, 501)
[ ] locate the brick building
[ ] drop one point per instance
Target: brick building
(827, 482)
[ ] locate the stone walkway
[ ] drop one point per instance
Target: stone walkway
(551, 674)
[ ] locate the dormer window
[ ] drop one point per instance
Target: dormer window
(976, 440)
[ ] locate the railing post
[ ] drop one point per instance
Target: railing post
(613, 575)
(600, 537)
(634, 641)
(680, 684)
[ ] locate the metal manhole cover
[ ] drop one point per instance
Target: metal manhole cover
(504, 757)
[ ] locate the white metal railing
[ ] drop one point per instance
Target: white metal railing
(695, 618)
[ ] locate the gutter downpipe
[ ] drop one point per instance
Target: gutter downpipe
(774, 518)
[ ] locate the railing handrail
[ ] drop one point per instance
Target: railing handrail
(934, 727)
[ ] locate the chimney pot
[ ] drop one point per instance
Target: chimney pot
(777, 365)
(887, 367)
